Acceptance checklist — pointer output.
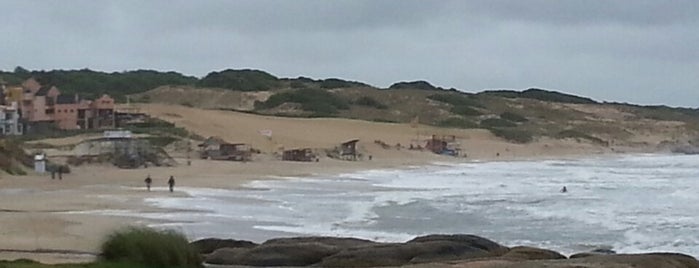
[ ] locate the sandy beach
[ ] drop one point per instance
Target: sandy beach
(53, 216)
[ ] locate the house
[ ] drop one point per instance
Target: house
(216, 148)
(44, 107)
(10, 121)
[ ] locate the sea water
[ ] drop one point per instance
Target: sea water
(630, 204)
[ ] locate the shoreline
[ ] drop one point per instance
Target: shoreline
(96, 187)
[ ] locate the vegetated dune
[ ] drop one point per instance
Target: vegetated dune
(326, 133)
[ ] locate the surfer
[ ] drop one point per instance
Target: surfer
(564, 190)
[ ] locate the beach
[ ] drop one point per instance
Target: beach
(38, 213)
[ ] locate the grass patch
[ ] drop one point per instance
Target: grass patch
(496, 123)
(513, 117)
(455, 99)
(23, 263)
(512, 135)
(574, 134)
(457, 122)
(150, 247)
(370, 102)
(465, 110)
(317, 101)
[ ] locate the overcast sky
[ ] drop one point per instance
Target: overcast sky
(638, 51)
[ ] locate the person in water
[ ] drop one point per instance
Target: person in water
(564, 190)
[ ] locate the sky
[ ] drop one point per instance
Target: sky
(635, 51)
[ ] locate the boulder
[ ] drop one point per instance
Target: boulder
(225, 255)
(436, 248)
(342, 242)
(208, 245)
(279, 254)
(531, 253)
(652, 260)
(471, 240)
(594, 252)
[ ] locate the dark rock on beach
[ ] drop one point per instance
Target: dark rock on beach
(209, 245)
(468, 251)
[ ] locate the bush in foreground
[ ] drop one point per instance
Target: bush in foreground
(150, 247)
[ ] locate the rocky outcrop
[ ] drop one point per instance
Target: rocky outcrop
(468, 251)
(209, 245)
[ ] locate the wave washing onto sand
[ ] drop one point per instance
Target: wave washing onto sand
(632, 204)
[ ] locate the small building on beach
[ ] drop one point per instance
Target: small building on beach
(301, 155)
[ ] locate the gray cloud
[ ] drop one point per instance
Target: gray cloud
(639, 51)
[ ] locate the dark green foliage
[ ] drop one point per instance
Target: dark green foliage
(423, 85)
(318, 101)
(92, 84)
(381, 120)
(456, 99)
(24, 263)
(540, 94)
(243, 80)
(465, 110)
(150, 247)
(339, 83)
(496, 123)
(574, 134)
(370, 102)
(513, 117)
(158, 127)
(12, 157)
(457, 122)
(513, 135)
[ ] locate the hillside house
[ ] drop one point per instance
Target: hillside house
(44, 107)
(10, 121)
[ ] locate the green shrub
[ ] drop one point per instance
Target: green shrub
(150, 247)
(513, 135)
(496, 123)
(465, 110)
(574, 134)
(370, 102)
(423, 85)
(457, 122)
(317, 101)
(243, 80)
(540, 94)
(339, 83)
(513, 117)
(455, 99)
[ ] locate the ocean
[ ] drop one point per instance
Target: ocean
(630, 204)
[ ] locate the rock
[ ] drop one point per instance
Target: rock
(652, 260)
(594, 252)
(225, 255)
(208, 245)
(274, 254)
(433, 248)
(341, 242)
(471, 240)
(530, 253)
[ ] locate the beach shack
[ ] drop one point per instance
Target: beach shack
(215, 148)
(301, 155)
(348, 149)
(446, 145)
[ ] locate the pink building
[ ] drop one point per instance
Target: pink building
(46, 105)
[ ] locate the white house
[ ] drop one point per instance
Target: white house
(9, 120)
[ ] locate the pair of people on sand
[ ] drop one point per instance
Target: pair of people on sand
(170, 182)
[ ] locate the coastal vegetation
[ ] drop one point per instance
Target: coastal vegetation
(149, 247)
(516, 116)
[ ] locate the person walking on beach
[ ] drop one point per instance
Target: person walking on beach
(60, 172)
(53, 173)
(171, 183)
(148, 181)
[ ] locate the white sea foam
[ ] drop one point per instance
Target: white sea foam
(637, 203)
